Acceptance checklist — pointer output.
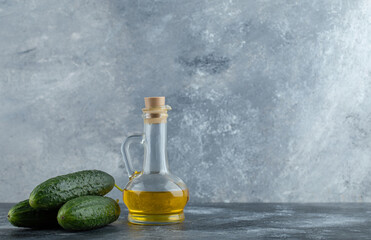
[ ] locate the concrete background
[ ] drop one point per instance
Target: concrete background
(271, 99)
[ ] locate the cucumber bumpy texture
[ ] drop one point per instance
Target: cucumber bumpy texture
(88, 212)
(23, 215)
(53, 193)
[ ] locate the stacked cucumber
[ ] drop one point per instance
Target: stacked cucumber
(74, 201)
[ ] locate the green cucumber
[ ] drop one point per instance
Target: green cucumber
(88, 212)
(23, 215)
(56, 191)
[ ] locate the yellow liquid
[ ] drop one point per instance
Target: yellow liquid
(155, 207)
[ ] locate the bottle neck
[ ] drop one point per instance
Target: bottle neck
(155, 155)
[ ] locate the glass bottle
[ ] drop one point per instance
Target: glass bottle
(153, 195)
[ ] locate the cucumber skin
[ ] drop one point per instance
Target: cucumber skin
(23, 215)
(88, 212)
(53, 193)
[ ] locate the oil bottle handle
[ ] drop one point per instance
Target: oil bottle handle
(138, 138)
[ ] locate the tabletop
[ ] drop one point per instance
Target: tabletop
(228, 221)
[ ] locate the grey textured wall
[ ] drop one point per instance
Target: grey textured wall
(271, 99)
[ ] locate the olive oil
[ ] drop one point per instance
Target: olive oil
(156, 207)
(153, 195)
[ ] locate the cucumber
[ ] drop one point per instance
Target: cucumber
(88, 212)
(54, 192)
(23, 215)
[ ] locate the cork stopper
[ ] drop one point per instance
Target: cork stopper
(155, 111)
(153, 102)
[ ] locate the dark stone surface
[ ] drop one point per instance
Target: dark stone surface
(228, 221)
